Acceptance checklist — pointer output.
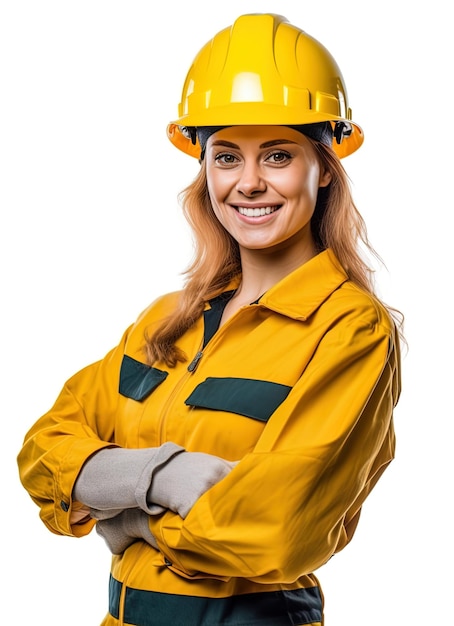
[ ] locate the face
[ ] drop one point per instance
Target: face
(263, 183)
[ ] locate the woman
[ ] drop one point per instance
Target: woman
(225, 447)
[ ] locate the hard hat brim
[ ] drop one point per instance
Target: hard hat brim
(348, 145)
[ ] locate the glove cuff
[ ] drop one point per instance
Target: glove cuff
(119, 478)
(164, 453)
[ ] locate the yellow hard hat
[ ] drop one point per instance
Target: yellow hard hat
(264, 70)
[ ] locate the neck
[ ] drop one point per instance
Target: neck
(262, 269)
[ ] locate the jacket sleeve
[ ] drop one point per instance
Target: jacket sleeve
(80, 423)
(295, 500)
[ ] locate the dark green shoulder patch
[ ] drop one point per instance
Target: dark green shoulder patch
(137, 380)
(257, 399)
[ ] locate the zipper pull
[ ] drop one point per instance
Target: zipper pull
(195, 361)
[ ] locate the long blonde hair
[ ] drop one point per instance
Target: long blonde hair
(336, 224)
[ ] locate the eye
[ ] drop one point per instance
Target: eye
(278, 157)
(225, 158)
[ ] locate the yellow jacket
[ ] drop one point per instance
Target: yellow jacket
(300, 387)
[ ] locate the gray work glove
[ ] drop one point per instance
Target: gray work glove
(115, 479)
(121, 531)
(180, 482)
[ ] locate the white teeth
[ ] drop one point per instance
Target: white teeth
(256, 212)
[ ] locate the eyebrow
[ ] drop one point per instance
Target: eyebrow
(267, 144)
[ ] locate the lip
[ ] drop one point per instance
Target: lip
(255, 205)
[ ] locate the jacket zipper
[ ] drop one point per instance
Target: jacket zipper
(195, 361)
(176, 390)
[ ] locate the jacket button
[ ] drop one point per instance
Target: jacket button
(65, 506)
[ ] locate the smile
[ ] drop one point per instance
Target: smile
(257, 212)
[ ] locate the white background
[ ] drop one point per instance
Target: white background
(91, 232)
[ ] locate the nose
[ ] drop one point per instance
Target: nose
(251, 181)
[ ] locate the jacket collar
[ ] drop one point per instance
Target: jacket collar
(299, 294)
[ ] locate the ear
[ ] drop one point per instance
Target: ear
(325, 179)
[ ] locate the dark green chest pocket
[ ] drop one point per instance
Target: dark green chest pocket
(138, 380)
(257, 399)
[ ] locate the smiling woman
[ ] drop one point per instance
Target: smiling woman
(224, 449)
